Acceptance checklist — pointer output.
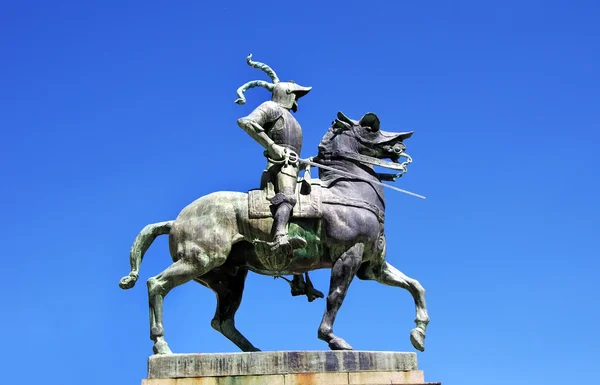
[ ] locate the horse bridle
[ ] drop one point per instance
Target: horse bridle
(292, 158)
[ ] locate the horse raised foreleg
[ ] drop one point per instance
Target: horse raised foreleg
(342, 273)
(229, 290)
(389, 275)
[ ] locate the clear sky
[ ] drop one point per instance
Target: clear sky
(114, 115)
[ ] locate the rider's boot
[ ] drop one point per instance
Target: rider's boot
(282, 243)
(300, 286)
(310, 291)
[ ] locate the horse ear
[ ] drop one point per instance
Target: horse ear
(341, 125)
(345, 119)
(370, 120)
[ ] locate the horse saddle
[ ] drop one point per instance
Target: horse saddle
(308, 195)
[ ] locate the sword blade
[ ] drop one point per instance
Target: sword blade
(348, 174)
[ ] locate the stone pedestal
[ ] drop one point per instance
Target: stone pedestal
(285, 368)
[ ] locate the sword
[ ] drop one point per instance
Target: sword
(348, 174)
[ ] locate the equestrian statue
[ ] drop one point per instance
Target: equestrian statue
(290, 225)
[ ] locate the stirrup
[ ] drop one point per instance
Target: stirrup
(294, 242)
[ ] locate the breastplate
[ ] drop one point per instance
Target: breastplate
(286, 132)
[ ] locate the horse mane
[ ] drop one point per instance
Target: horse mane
(328, 144)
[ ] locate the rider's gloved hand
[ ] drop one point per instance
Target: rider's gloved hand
(276, 152)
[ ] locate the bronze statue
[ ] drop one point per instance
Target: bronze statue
(340, 218)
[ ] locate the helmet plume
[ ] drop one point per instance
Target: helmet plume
(257, 83)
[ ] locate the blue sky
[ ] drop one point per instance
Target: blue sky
(114, 115)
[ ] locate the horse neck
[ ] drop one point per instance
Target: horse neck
(360, 188)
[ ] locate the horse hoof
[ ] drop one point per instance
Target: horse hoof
(417, 338)
(127, 282)
(253, 349)
(161, 347)
(339, 344)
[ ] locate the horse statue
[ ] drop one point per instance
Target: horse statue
(218, 238)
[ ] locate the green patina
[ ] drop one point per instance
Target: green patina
(314, 247)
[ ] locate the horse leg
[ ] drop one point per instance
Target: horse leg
(342, 273)
(389, 275)
(229, 290)
(183, 270)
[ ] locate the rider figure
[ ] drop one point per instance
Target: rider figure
(273, 126)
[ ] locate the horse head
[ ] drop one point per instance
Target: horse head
(363, 137)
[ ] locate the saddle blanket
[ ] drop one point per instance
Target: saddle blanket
(307, 206)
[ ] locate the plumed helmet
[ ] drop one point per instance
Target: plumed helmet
(285, 94)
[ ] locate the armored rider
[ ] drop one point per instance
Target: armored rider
(273, 126)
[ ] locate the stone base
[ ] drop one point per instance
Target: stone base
(285, 368)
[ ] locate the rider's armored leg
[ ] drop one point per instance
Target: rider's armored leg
(284, 205)
(284, 202)
(301, 287)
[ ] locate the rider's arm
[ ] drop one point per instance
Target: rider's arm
(254, 123)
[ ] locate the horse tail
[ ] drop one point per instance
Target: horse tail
(138, 249)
